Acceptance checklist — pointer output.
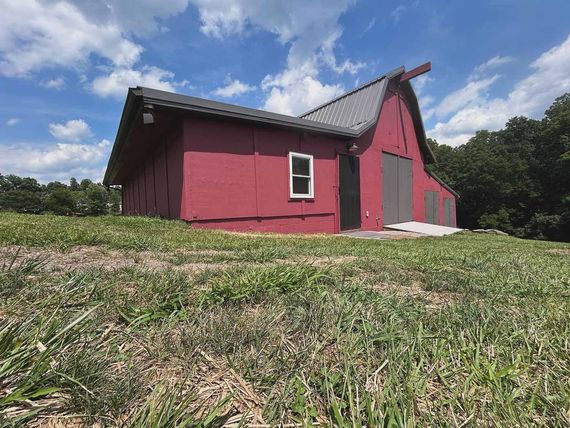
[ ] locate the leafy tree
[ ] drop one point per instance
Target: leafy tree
(73, 184)
(20, 194)
(516, 179)
(60, 200)
(97, 199)
(85, 184)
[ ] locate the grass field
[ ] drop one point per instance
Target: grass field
(140, 322)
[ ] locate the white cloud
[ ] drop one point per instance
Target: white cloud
(73, 131)
(473, 92)
(35, 35)
(13, 121)
(233, 88)
(116, 83)
(529, 97)
(493, 63)
(57, 83)
(310, 28)
(58, 161)
(74, 153)
(294, 91)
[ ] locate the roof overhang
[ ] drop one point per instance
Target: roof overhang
(138, 97)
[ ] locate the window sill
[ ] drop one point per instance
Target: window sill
(301, 198)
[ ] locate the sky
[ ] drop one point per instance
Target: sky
(65, 66)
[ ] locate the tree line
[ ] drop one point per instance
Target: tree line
(26, 195)
(516, 179)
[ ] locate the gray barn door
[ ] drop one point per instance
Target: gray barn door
(448, 212)
(404, 190)
(396, 189)
(431, 202)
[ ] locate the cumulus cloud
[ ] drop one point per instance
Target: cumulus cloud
(295, 91)
(58, 161)
(233, 88)
(472, 93)
(73, 131)
(310, 28)
(75, 152)
(116, 83)
(37, 35)
(529, 96)
(57, 83)
(13, 121)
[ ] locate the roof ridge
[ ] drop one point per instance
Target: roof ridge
(389, 75)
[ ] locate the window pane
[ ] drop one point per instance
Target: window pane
(300, 166)
(301, 185)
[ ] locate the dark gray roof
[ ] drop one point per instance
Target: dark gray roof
(357, 109)
(201, 105)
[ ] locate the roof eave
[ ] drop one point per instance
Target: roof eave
(133, 95)
(199, 105)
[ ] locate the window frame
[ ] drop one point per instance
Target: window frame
(311, 177)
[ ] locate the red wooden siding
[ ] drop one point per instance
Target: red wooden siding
(155, 187)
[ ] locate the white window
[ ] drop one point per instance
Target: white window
(301, 183)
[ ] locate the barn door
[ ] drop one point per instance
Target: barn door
(349, 190)
(431, 203)
(448, 212)
(396, 189)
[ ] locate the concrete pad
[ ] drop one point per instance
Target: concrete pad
(424, 228)
(385, 234)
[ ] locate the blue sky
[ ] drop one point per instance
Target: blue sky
(65, 66)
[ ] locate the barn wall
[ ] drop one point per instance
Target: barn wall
(154, 186)
(237, 178)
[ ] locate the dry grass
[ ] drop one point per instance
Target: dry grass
(141, 322)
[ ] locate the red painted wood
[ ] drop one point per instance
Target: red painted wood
(230, 175)
(418, 71)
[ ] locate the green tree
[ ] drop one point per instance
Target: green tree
(97, 199)
(60, 200)
(85, 184)
(516, 179)
(73, 184)
(20, 194)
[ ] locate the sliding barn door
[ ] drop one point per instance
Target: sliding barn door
(396, 189)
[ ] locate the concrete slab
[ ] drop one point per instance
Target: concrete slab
(385, 234)
(424, 228)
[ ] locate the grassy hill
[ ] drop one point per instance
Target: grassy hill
(143, 322)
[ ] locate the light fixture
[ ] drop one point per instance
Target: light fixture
(352, 147)
(148, 115)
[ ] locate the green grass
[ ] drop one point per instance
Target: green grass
(182, 327)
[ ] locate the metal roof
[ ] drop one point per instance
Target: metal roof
(201, 105)
(357, 109)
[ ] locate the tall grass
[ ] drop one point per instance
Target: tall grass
(279, 330)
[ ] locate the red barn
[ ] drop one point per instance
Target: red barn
(356, 162)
